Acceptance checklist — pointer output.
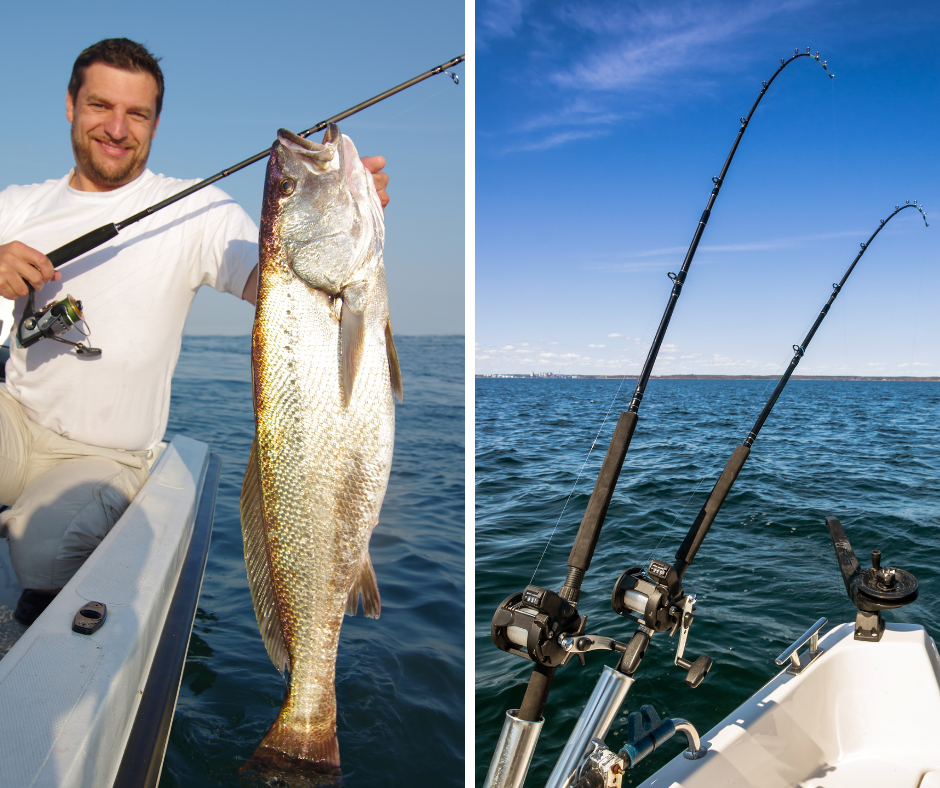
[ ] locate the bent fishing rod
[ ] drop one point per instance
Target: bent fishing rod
(549, 613)
(653, 597)
(57, 318)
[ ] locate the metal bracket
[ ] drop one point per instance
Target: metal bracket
(581, 644)
(683, 625)
(798, 665)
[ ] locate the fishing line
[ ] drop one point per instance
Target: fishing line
(392, 117)
(591, 449)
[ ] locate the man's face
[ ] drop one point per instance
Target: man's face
(113, 117)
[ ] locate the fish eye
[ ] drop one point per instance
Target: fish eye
(287, 186)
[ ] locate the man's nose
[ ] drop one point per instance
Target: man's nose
(116, 127)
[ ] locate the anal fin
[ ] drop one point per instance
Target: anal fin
(260, 580)
(366, 586)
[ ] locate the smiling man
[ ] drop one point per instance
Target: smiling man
(114, 116)
(77, 433)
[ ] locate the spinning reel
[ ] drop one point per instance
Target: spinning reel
(50, 322)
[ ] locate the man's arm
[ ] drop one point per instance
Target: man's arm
(20, 264)
(373, 164)
(250, 293)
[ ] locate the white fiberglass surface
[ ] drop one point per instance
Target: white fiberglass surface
(862, 714)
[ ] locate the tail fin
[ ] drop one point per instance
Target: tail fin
(297, 749)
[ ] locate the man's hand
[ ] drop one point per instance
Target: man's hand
(20, 264)
(374, 164)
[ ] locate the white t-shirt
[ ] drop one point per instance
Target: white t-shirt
(136, 291)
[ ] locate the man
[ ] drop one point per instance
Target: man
(76, 433)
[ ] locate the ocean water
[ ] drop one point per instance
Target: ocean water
(867, 452)
(400, 679)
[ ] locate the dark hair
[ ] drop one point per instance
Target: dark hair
(121, 53)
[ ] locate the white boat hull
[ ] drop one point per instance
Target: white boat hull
(863, 714)
(69, 702)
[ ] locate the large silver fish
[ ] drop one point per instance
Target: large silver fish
(324, 368)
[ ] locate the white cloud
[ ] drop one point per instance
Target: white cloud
(499, 18)
(646, 46)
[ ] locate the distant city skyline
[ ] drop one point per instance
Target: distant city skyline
(599, 129)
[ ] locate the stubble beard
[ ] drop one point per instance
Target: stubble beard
(114, 177)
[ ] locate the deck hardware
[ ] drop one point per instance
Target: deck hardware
(872, 590)
(595, 721)
(797, 664)
(517, 742)
(90, 618)
(602, 769)
(646, 732)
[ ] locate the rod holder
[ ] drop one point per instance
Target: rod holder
(513, 752)
(601, 710)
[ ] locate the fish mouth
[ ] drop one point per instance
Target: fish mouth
(320, 152)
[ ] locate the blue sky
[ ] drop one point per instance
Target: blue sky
(599, 126)
(237, 71)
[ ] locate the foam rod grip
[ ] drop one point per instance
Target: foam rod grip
(709, 512)
(596, 512)
(79, 246)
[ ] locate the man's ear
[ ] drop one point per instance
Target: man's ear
(69, 106)
(155, 124)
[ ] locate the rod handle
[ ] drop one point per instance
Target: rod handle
(536, 694)
(83, 244)
(709, 511)
(596, 512)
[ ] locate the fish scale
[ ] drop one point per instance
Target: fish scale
(324, 368)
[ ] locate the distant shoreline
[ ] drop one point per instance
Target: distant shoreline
(549, 376)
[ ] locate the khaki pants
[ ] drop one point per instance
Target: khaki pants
(64, 496)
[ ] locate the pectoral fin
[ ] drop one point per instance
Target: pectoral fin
(351, 334)
(394, 371)
(368, 587)
(260, 581)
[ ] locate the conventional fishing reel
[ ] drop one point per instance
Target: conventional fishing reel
(654, 599)
(533, 624)
(50, 322)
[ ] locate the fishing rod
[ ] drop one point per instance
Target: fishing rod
(653, 597)
(709, 511)
(57, 318)
(526, 624)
